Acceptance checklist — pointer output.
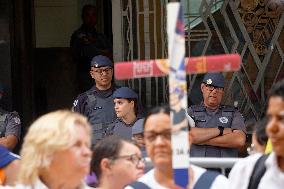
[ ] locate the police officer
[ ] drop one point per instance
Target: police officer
(97, 103)
(219, 130)
(10, 126)
(138, 137)
(126, 109)
(86, 43)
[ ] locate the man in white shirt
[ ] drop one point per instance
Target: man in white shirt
(273, 174)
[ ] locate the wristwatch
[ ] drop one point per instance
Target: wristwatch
(221, 129)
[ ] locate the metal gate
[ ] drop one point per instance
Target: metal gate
(252, 28)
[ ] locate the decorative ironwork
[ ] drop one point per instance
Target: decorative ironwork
(253, 28)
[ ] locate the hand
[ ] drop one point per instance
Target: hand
(227, 131)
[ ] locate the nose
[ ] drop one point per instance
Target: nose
(141, 164)
(115, 106)
(86, 151)
(272, 126)
(159, 140)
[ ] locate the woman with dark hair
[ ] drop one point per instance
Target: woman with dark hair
(126, 109)
(116, 162)
(157, 136)
(259, 137)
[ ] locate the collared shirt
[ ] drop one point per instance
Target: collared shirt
(122, 129)
(240, 174)
(224, 116)
(10, 124)
(96, 105)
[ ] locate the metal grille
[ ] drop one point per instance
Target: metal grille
(254, 29)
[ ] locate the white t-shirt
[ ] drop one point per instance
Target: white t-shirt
(240, 174)
(38, 185)
(220, 182)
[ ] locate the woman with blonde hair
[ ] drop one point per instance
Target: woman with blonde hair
(56, 152)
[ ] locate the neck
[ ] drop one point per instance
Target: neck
(280, 161)
(104, 87)
(211, 107)
(107, 183)
(130, 118)
(164, 177)
(56, 183)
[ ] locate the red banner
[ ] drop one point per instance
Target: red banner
(160, 67)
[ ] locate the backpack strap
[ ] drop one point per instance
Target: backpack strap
(206, 180)
(257, 173)
(139, 185)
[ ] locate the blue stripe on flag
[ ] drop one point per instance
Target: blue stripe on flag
(179, 23)
(181, 177)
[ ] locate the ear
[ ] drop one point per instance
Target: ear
(105, 165)
(92, 74)
(202, 87)
(132, 103)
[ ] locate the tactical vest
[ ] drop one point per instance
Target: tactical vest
(3, 116)
(101, 115)
(202, 119)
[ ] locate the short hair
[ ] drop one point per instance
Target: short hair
(277, 90)
(86, 7)
(259, 129)
(160, 109)
(52, 132)
(156, 110)
(109, 148)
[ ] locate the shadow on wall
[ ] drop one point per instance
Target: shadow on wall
(55, 83)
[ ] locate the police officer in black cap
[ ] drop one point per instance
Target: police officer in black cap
(219, 130)
(97, 103)
(126, 109)
(10, 126)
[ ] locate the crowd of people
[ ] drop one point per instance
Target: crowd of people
(102, 142)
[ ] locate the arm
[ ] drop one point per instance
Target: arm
(9, 141)
(78, 104)
(13, 131)
(235, 139)
(202, 135)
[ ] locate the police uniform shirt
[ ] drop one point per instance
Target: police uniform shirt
(10, 124)
(122, 129)
(98, 107)
(225, 116)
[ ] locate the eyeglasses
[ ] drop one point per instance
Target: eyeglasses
(151, 136)
(134, 158)
(211, 88)
(106, 70)
(138, 136)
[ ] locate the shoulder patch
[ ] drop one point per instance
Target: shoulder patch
(17, 120)
(75, 103)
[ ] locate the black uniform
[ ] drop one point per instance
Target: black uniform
(98, 107)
